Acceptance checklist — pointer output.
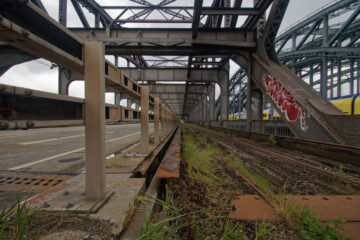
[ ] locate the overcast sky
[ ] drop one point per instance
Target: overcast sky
(38, 75)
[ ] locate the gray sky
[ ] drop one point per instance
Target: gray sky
(38, 75)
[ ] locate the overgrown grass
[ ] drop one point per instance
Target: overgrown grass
(168, 227)
(312, 228)
(263, 230)
(305, 220)
(15, 220)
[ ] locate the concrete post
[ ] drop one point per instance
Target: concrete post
(156, 121)
(94, 119)
(144, 143)
(128, 102)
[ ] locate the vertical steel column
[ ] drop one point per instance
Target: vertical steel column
(332, 82)
(156, 121)
(351, 77)
(211, 91)
(339, 78)
(94, 75)
(323, 79)
(62, 12)
(64, 81)
(358, 78)
(204, 106)
(311, 75)
(224, 88)
(324, 69)
(117, 99)
(162, 117)
(144, 143)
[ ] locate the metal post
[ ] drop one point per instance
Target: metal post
(162, 116)
(156, 121)
(339, 78)
(94, 119)
(117, 99)
(351, 77)
(311, 75)
(358, 78)
(62, 12)
(323, 82)
(144, 143)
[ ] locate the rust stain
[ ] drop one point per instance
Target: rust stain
(329, 207)
(252, 208)
(13, 181)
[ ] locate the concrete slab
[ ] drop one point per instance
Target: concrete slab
(252, 208)
(121, 194)
(121, 203)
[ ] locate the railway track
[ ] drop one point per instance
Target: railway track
(329, 193)
(286, 173)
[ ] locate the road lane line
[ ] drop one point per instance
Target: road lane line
(62, 154)
(51, 139)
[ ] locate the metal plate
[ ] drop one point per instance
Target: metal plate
(252, 208)
(330, 207)
(13, 181)
(170, 166)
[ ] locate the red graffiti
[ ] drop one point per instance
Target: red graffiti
(284, 100)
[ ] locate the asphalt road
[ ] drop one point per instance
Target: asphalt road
(58, 150)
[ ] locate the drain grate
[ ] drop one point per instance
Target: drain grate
(14, 181)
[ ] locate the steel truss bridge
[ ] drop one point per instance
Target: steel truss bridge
(188, 52)
(323, 49)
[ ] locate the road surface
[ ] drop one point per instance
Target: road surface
(59, 150)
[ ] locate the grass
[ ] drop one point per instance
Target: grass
(272, 139)
(168, 228)
(305, 220)
(263, 230)
(15, 220)
(312, 228)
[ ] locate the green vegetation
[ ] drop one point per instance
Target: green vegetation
(15, 220)
(312, 228)
(263, 230)
(272, 139)
(231, 231)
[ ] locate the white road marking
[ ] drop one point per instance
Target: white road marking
(51, 139)
(63, 154)
(115, 139)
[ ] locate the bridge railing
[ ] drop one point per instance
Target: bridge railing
(270, 127)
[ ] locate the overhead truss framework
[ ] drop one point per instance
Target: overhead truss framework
(215, 34)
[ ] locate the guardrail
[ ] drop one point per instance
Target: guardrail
(274, 127)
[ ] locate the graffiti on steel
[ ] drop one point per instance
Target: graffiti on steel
(285, 101)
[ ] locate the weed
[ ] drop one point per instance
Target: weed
(340, 169)
(15, 220)
(263, 230)
(313, 228)
(231, 231)
(169, 227)
(272, 139)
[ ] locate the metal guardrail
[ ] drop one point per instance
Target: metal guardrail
(275, 127)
